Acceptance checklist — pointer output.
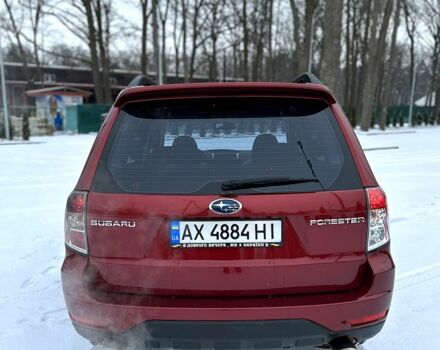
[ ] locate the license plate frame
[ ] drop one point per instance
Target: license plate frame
(248, 233)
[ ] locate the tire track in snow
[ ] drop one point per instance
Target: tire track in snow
(33, 186)
(417, 276)
(404, 157)
(46, 208)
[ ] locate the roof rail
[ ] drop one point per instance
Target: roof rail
(307, 78)
(141, 80)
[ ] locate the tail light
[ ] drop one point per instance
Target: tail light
(75, 222)
(378, 233)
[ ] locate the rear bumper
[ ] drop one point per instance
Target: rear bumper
(278, 334)
(331, 313)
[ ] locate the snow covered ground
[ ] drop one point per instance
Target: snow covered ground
(35, 180)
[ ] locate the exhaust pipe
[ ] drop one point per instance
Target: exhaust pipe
(343, 343)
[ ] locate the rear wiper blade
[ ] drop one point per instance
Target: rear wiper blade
(265, 182)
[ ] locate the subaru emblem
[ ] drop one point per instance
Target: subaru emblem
(225, 206)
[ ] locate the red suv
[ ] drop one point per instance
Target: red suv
(227, 216)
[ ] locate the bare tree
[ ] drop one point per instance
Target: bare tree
(184, 39)
(375, 50)
(155, 25)
(259, 23)
(296, 24)
(362, 41)
(90, 21)
(311, 6)
(144, 30)
(356, 36)
(410, 21)
(244, 22)
(163, 15)
(196, 40)
(389, 79)
(35, 9)
(269, 62)
(32, 11)
(331, 52)
(93, 47)
(251, 40)
(102, 14)
(214, 25)
(431, 13)
(177, 36)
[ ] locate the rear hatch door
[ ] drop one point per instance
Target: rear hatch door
(162, 171)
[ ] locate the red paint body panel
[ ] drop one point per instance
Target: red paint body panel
(223, 89)
(335, 253)
(119, 313)
(85, 180)
(320, 273)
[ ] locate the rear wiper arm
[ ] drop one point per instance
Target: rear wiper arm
(265, 182)
(309, 163)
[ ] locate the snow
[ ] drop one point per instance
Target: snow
(422, 101)
(35, 180)
(411, 179)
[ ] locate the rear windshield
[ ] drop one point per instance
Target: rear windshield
(194, 146)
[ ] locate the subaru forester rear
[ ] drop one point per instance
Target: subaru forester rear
(230, 216)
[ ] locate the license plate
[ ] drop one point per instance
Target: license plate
(218, 234)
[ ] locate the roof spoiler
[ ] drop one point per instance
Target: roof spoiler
(141, 80)
(306, 78)
(141, 93)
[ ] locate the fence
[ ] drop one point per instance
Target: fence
(37, 126)
(399, 115)
(86, 118)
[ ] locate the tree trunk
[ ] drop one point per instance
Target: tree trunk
(437, 98)
(435, 67)
(184, 33)
(245, 42)
(308, 34)
(144, 26)
(259, 34)
(103, 47)
(213, 70)
(296, 38)
(163, 50)
(390, 69)
(270, 65)
(331, 50)
(375, 50)
(357, 101)
(35, 27)
(96, 74)
(16, 34)
(435, 75)
(176, 39)
(410, 30)
(195, 35)
(348, 43)
(234, 59)
(156, 39)
(353, 67)
(163, 20)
